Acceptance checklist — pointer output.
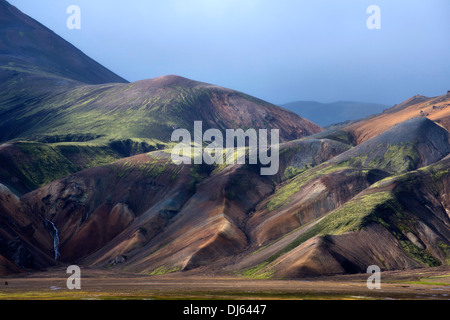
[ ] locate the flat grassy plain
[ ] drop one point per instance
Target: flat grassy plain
(418, 284)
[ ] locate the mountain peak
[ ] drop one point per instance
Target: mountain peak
(4, 4)
(165, 81)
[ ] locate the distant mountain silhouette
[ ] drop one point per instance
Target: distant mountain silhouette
(325, 114)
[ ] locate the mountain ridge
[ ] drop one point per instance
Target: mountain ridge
(434, 108)
(326, 114)
(62, 112)
(20, 34)
(92, 164)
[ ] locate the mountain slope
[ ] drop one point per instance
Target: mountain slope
(436, 109)
(297, 230)
(91, 125)
(75, 113)
(397, 223)
(189, 209)
(26, 166)
(26, 241)
(148, 109)
(26, 45)
(98, 193)
(147, 215)
(409, 145)
(51, 92)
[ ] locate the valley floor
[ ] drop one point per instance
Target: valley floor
(418, 284)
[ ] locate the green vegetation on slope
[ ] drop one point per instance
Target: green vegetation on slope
(87, 156)
(37, 164)
(396, 158)
(352, 216)
(44, 164)
(342, 136)
(290, 187)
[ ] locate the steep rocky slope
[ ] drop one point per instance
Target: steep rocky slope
(145, 208)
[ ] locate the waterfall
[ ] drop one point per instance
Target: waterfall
(55, 239)
(55, 236)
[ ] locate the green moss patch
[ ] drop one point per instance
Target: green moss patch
(43, 164)
(289, 188)
(164, 270)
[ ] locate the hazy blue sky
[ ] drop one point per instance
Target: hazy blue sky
(277, 50)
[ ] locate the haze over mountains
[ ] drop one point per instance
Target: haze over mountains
(86, 176)
(53, 93)
(325, 114)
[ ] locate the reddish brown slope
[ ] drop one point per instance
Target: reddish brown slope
(92, 207)
(436, 109)
(25, 242)
(146, 214)
(410, 230)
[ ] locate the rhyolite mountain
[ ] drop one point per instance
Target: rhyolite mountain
(86, 178)
(433, 108)
(414, 143)
(86, 125)
(61, 112)
(317, 216)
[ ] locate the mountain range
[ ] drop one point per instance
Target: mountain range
(86, 176)
(327, 114)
